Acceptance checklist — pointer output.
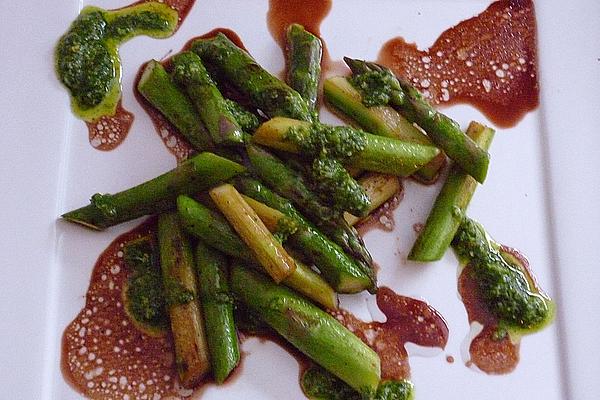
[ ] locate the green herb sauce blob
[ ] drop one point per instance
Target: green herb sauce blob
(319, 384)
(503, 286)
(377, 87)
(339, 142)
(87, 58)
(144, 292)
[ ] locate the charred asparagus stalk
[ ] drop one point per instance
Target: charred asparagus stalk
(266, 92)
(450, 205)
(314, 332)
(304, 52)
(187, 325)
(217, 308)
(442, 130)
(355, 147)
(191, 74)
(157, 195)
(214, 230)
(157, 87)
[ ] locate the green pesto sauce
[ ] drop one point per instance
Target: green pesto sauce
(327, 174)
(319, 384)
(285, 227)
(176, 293)
(377, 87)
(87, 58)
(503, 285)
(144, 294)
(247, 121)
(188, 69)
(339, 142)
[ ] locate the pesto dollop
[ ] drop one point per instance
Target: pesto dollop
(248, 121)
(87, 58)
(377, 87)
(317, 139)
(504, 287)
(319, 384)
(144, 294)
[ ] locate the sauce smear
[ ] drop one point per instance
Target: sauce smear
(109, 131)
(103, 354)
(408, 320)
(383, 217)
(489, 61)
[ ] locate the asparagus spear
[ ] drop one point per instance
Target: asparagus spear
(343, 274)
(214, 230)
(379, 188)
(379, 120)
(177, 264)
(265, 91)
(450, 205)
(156, 87)
(289, 183)
(361, 149)
(311, 330)
(191, 74)
(217, 308)
(268, 251)
(442, 130)
(304, 52)
(157, 195)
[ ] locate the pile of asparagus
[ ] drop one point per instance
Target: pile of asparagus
(271, 197)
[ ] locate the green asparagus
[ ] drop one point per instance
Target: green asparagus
(354, 147)
(340, 271)
(157, 195)
(304, 52)
(187, 325)
(314, 332)
(266, 92)
(217, 308)
(379, 120)
(290, 184)
(190, 73)
(156, 86)
(450, 205)
(214, 230)
(442, 130)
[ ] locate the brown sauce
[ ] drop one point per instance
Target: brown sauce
(488, 61)
(383, 217)
(408, 320)
(490, 354)
(109, 131)
(103, 354)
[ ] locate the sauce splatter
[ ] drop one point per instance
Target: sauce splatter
(489, 353)
(383, 217)
(408, 320)
(489, 61)
(109, 131)
(103, 354)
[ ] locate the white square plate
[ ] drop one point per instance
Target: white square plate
(541, 196)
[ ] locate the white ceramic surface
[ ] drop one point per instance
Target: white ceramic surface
(541, 196)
